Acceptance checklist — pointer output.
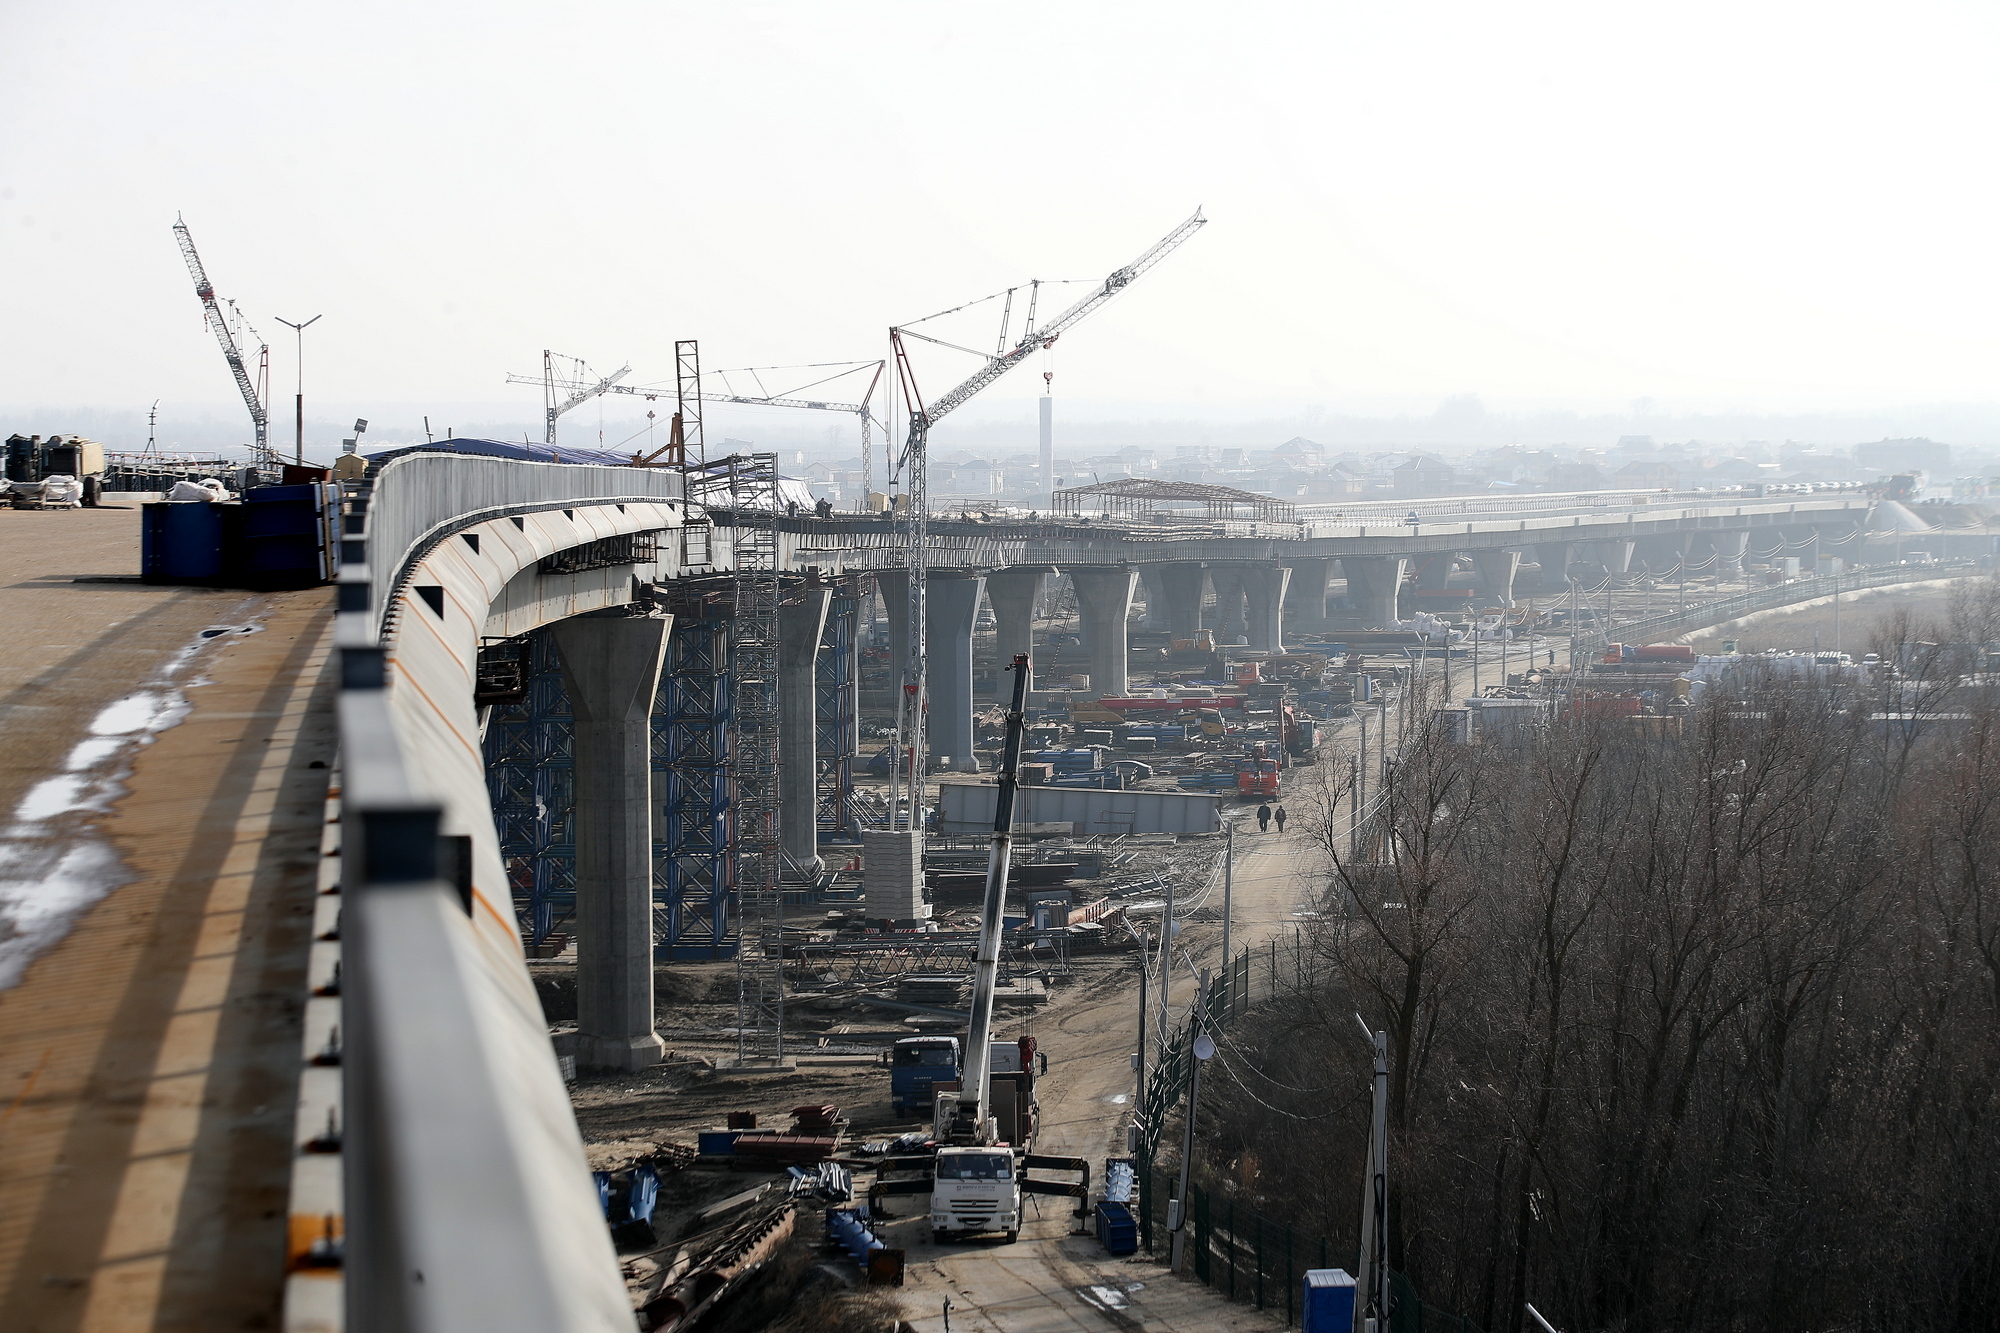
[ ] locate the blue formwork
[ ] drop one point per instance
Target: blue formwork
(530, 779)
(288, 534)
(693, 866)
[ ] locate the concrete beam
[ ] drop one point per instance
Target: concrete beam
(611, 665)
(1264, 592)
(1373, 583)
(1105, 598)
(800, 625)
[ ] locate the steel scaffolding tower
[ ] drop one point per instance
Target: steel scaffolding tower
(834, 722)
(531, 778)
(692, 866)
(747, 485)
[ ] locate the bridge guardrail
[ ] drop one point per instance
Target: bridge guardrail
(1764, 599)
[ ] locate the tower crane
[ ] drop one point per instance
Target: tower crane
(580, 385)
(212, 315)
(923, 416)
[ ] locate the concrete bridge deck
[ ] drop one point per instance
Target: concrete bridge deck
(164, 810)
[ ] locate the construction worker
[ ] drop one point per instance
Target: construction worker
(1279, 815)
(1264, 818)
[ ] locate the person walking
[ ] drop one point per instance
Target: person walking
(1264, 818)
(1279, 815)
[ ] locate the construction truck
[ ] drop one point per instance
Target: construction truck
(1257, 773)
(984, 1126)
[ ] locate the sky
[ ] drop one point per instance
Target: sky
(1732, 212)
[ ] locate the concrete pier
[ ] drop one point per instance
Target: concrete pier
(1729, 548)
(1153, 592)
(953, 606)
(1183, 585)
(801, 622)
(1104, 594)
(1614, 557)
(1229, 621)
(1264, 594)
(1011, 593)
(611, 665)
(1372, 585)
(1554, 558)
(1305, 596)
(1496, 574)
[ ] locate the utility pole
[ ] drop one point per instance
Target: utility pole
(1202, 1048)
(1166, 962)
(1228, 891)
(299, 403)
(1371, 1287)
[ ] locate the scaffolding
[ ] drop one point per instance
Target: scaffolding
(692, 867)
(835, 724)
(747, 485)
(530, 775)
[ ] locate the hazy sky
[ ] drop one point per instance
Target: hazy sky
(1731, 207)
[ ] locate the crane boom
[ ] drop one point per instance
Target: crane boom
(1033, 338)
(212, 315)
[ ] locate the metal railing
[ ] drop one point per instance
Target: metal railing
(465, 1206)
(1703, 614)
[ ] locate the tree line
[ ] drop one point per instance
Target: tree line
(1691, 1026)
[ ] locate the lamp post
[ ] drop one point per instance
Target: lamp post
(299, 402)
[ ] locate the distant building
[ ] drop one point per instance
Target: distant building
(1904, 456)
(1647, 476)
(1300, 452)
(1423, 476)
(1577, 477)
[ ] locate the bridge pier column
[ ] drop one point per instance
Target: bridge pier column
(1615, 556)
(1012, 593)
(1104, 594)
(1663, 552)
(1182, 585)
(611, 665)
(952, 608)
(1496, 573)
(1264, 588)
(1434, 571)
(894, 585)
(800, 626)
(1372, 585)
(1729, 548)
(1155, 593)
(1554, 559)
(1305, 599)
(1229, 625)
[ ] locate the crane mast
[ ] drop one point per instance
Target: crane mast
(213, 317)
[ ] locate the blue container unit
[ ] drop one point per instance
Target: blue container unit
(288, 535)
(1117, 1229)
(1328, 1306)
(185, 543)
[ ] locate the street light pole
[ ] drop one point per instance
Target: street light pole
(299, 402)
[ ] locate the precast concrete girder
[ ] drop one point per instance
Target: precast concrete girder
(801, 623)
(1104, 597)
(1264, 595)
(611, 666)
(1496, 573)
(1373, 583)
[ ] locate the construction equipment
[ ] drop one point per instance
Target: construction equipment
(254, 395)
(580, 386)
(55, 473)
(913, 466)
(1257, 774)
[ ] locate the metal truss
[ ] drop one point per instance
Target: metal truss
(693, 870)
